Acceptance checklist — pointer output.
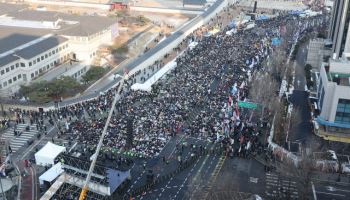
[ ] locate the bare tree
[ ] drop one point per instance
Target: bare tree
(263, 91)
(276, 65)
(279, 125)
(300, 173)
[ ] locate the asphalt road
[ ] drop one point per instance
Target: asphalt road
(301, 133)
(328, 191)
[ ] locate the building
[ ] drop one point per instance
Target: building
(333, 82)
(334, 100)
(339, 31)
(33, 42)
(317, 49)
(22, 64)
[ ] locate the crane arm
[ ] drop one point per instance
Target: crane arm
(104, 132)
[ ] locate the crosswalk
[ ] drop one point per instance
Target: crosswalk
(277, 187)
(16, 142)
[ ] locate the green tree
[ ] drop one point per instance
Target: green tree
(93, 73)
(45, 91)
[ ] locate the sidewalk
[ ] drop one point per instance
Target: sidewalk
(27, 181)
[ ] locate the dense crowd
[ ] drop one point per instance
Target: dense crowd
(198, 98)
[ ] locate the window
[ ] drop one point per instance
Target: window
(2, 72)
(19, 76)
(343, 111)
(56, 50)
(24, 77)
(17, 65)
(0, 85)
(60, 49)
(34, 62)
(10, 81)
(36, 73)
(49, 53)
(40, 70)
(5, 84)
(30, 64)
(47, 67)
(53, 52)
(14, 79)
(66, 45)
(12, 67)
(42, 57)
(23, 64)
(51, 64)
(38, 59)
(7, 69)
(46, 56)
(32, 75)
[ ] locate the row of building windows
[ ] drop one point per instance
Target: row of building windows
(33, 62)
(343, 111)
(41, 58)
(12, 80)
(77, 74)
(10, 68)
(34, 74)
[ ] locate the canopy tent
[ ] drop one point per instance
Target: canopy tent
(147, 86)
(51, 174)
(48, 153)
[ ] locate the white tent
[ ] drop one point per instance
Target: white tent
(48, 153)
(147, 86)
(51, 174)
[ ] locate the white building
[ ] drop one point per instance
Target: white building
(334, 97)
(33, 42)
(24, 63)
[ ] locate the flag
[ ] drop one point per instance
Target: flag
(2, 170)
(236, 110)
(234, 89)
(229, 101)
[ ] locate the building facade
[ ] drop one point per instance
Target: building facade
(34, 42)
(334, 99)
(23, 64)
(315, 52)
(339, 31)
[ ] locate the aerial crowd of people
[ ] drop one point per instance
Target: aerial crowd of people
(198, 98)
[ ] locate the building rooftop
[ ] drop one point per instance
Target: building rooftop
(338, 71)
(12, 37)
(35, 15)
(70, 25)
(40, 47)
(32, 50)
(7, 8)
